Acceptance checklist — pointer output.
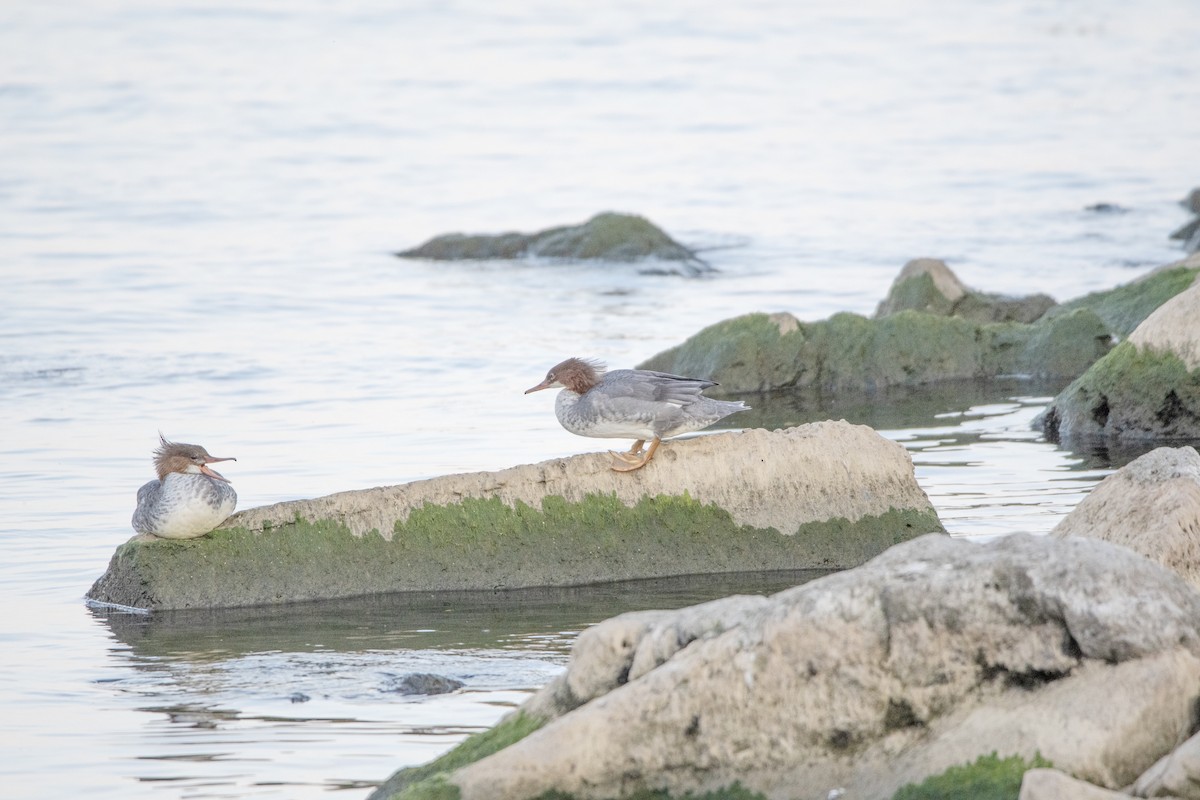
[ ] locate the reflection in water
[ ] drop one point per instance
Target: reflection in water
(532, 621)
(226, 689)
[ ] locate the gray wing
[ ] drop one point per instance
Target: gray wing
(660, 387)
(147, 489)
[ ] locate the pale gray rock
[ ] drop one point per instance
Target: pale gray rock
(1173, 328)
(1175, 775)
(1152, 506)
(930, 655)
(1052, 784)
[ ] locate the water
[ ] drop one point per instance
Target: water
(197, 206)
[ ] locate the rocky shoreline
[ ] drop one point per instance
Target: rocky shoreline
(1060, 666)
(1061, 650)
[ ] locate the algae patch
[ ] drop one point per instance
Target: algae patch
(988, 778)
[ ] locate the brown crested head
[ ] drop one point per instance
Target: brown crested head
(576, 374)
(181, 457)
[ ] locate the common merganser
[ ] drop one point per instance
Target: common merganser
(631, 404)
(189, 498)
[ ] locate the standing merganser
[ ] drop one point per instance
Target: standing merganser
(189, 499)
(631, 404)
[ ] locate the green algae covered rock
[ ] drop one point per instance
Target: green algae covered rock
(608, 237)
(824, 495)
(1126, 306)
(1132, 393)
(761, 352)
(928, 285)
(1148, 387)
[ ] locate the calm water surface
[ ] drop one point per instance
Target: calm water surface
(197, 206)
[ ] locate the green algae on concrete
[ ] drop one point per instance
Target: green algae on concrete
(761, 352)
(484, 544)
(1125, 307)
(1132, 393)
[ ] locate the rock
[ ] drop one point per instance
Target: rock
(1106, 208)
(1051, 784)
(1176, 774)
(1192, 201)
(935, 652)
(928, 285)
(912, 341)
(1147, 388)
(1125, 307)
(608, 237)
(760, 352)
(1151, 506)
(1189, 232)
(422, 683)
(824, 495)
(1172, 328)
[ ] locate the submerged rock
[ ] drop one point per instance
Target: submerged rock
(928, 285)
(1147, 388)
(824, 495)
(934, 653)
(607, 237)
(422, 683)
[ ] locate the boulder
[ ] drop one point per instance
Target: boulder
(1151, 506)
(1147, 388)
(607, 237)
(1052, 784)
(1174, 775)
(765, 352)
(928, 285)
(935, 652)
(1126, 306)
(823, 495)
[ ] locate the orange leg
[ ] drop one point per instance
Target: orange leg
(645, 459)
(632, 456)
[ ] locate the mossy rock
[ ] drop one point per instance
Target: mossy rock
(1125, 307)
(483, 544)
(761, 352)
(607, 236)
(1132, 393)
(826, 495)
(928, 285)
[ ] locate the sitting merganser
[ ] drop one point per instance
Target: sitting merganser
(189, 499)
(631, 404)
